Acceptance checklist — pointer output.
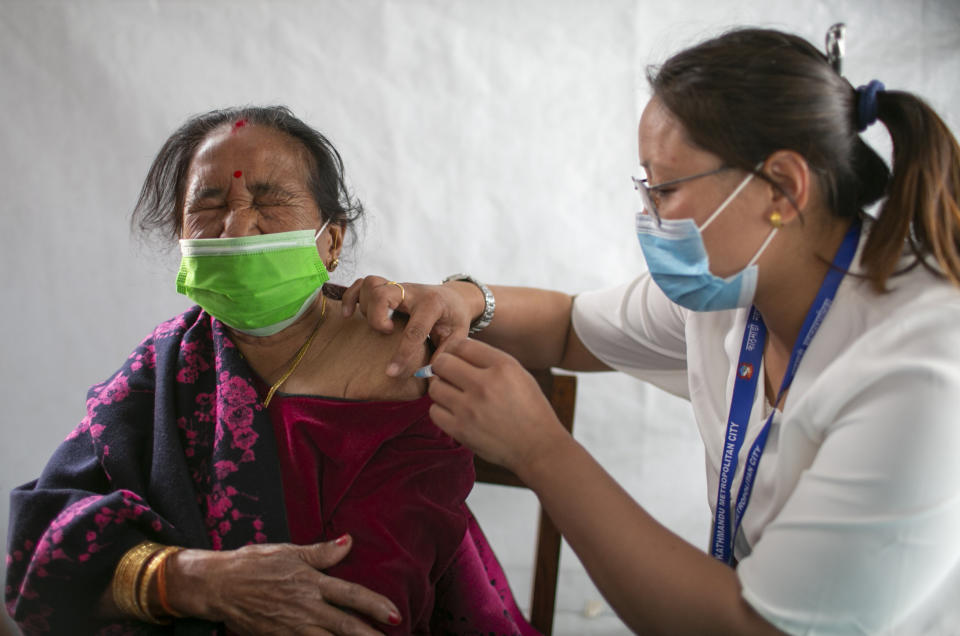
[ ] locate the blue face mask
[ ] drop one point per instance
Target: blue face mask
(679, 264)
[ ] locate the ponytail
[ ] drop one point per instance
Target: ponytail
(923, 196)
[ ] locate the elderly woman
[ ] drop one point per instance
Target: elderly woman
(250, 467)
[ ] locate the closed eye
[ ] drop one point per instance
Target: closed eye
(204, 207)
(272, 202)
(659, 194)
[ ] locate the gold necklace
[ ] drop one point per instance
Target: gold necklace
(300, 354)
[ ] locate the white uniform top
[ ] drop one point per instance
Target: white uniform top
(854, 521)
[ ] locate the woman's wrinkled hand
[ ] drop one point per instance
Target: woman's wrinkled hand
(438, 312)
(486, 400)
(274, 589)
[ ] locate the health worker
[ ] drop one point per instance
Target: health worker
(819, 347)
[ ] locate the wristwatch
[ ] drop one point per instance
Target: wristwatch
(489, 304)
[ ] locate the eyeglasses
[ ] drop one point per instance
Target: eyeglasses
(650, 195)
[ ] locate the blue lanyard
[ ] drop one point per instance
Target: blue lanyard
(744, 392)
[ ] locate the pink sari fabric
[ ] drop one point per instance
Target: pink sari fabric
(384, 473)
(464, 598)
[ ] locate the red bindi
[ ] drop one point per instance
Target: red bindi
(238, 174)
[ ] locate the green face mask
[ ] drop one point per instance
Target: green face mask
(256, 284)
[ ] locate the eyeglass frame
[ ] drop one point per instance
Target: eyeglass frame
(647, 191)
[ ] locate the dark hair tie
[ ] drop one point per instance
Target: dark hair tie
(867, 104)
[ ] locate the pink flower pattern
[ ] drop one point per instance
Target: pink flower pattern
(43, 557)
(215, 424)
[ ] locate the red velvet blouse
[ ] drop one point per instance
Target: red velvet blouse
(383, 472)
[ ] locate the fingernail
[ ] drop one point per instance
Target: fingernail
(394, 618)
(343, 540)
(345, 311)
(393, 370)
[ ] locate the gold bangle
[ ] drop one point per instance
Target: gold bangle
(162, 586)
(156, 561)
(126, 578)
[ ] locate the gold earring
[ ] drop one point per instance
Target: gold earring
(776, 220)
(333, 264)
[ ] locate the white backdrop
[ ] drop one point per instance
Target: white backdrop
(492, 137)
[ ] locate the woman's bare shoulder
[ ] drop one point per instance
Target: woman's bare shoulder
(353, 363)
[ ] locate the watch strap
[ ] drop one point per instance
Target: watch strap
(489, 303)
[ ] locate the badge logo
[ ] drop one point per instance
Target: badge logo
(745, 371)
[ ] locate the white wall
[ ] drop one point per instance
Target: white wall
(491, 137)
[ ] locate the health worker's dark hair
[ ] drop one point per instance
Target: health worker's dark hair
(750, 92)
(159, 209)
